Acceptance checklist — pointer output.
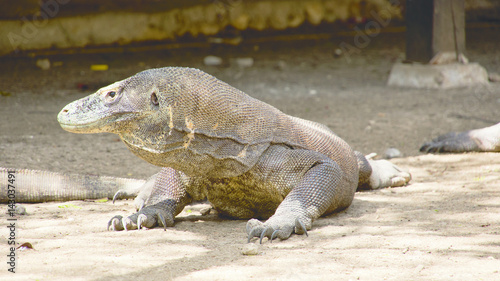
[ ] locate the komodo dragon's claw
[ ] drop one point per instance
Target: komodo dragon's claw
(124, 224)
(126, 193)
(274, 235)
(147, 217)
(268, 232)
(116, 196)
(115, 223)
(163, 221)
(256, 228)
(128, 224)
(140, 219)
(300, 227)
(253, 233)
(118, 223)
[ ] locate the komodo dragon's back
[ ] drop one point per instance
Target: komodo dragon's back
(218, 110)
(248, 158)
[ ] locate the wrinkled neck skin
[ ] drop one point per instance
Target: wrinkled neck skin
(152, 135)
(185, 151)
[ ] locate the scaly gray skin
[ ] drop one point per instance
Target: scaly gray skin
(479, 140)
(32, 186)
(247, 158)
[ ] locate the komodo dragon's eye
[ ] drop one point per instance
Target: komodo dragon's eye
(110, 96)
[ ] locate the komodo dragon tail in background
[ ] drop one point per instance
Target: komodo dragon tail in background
(32, 186)
(250, 160)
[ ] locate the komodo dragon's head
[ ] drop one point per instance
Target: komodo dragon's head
(112, 108)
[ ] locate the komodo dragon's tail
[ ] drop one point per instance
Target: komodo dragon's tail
(31, 186)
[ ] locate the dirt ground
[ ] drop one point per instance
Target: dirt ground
(445, 225)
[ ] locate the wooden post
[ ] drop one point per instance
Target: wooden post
(434, 27)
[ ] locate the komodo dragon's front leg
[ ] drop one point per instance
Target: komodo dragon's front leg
(313, 183)
(166, 199)
(317, 185)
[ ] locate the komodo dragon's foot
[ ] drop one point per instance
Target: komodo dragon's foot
(278, 226)
(147, 217)
(386, 174)
(478, 140)
(451, 143)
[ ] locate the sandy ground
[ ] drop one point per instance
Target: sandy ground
(443, 226)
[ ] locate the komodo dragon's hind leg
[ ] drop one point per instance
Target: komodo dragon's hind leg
(167, 199)
(479, 140)
(375, 174)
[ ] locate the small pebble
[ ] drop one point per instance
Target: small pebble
(212, 61)
(43, 64)
(244, 62)
(205, 211)
(20, 210)
(250, 249)
(392, 153)
(281, 65)
(337, 53)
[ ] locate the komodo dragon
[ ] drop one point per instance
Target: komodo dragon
(479, 140)
(250, 160)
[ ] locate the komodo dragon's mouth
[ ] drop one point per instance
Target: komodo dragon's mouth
(79, 125)
(82, 128)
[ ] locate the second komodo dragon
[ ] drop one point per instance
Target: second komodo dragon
(250, 160)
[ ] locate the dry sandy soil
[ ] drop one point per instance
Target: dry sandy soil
(445, 225)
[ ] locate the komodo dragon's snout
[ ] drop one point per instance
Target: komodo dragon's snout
(246, 157)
